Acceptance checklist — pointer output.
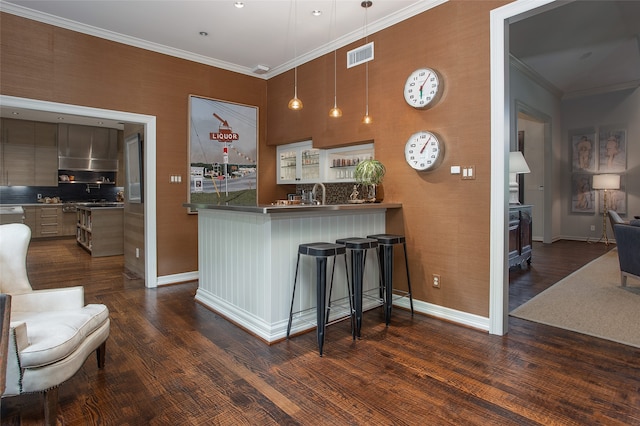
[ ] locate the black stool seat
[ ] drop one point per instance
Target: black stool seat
(357, 245)
(388, 238)
(385, 256)
(321, 251)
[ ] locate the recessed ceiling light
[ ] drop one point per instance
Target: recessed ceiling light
(316, 12)
(15, 113)
(60, 118)
(203, 33)
(239, 4)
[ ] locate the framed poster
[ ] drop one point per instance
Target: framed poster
(612, 150)
(223, 152)
(582, 194)
(583, 150)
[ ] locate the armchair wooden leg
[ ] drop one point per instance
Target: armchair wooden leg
(51, 406)
(100, 354)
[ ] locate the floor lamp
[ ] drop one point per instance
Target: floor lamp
(605, 182)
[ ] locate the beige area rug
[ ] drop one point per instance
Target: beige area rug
(590, 301)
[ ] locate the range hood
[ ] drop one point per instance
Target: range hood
(87, 148)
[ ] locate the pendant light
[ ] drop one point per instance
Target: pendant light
(367, 119)
(335, 112)
(295, 103)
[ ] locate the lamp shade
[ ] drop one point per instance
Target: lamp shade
(517, 164)
(606, 182)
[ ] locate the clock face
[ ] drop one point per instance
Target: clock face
(423, 88)
(423, 151)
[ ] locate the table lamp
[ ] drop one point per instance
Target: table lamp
(605, 182)
(517, 165)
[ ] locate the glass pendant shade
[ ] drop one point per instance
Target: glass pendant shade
(295, 103)
(335, 112)
(367, 119)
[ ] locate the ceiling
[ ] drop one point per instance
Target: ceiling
(581, 47)
(574, 48)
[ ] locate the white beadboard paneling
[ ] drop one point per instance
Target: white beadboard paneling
(247, 263)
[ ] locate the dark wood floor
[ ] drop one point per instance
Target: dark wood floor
(170, 361)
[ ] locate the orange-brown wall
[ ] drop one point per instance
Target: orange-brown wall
(446, 220)
(48, 63)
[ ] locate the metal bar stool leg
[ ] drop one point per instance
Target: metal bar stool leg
(387, 254)
(406, 263)
(321, 295)
(293, 296)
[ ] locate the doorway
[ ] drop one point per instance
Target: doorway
(149, 123)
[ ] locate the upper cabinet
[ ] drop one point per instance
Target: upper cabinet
(301, 163)
(29, 153)
(298, 163)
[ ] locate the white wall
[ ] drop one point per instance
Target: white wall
(621, 108)
(525, 91)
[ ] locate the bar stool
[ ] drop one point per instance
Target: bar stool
(321, 251)
(357, 247)
(385, 256)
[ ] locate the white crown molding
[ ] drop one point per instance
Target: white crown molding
(534, 76)
(386, 22)
(602, 89)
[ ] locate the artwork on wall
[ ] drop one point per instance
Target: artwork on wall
(583, 144)
(223, 152)
(612, 151)
(582, 194)
(595, 151)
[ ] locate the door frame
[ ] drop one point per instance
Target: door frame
(501, 133)
(149, 122)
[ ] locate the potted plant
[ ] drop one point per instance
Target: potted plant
(371, 173)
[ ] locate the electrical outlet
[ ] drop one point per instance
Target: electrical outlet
(137, 253)
(593, 227)
(436, 281)
(39, 196)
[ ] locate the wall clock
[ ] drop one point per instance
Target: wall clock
(423, 88)
(424, 151)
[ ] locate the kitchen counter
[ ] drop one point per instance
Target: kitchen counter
(270, 208)
(247, 259)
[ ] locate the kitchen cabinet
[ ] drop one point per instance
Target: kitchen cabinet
(301, 163)
(339, 164)
(44, 221)
(48, 221)
(100, 230)
(298, 163)
(29, 153)
(520, 235)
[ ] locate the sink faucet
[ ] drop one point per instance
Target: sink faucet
(324, 193)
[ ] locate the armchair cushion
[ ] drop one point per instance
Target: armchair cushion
(54, 335)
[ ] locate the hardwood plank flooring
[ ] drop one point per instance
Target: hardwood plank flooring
(170, 361)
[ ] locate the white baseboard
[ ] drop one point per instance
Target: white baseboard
(178, 278)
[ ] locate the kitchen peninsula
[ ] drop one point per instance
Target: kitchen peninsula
(247, 259)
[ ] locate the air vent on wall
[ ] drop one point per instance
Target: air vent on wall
(360, 55)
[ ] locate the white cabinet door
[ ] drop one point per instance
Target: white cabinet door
(298, 163)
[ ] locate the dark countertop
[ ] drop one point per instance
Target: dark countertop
(270, 209)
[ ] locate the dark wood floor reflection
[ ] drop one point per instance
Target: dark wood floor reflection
(170, 361)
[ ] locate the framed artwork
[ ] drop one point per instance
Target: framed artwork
(616, 199)
(223, 152)
(612, 151)
(583, 150)
(133, 163)
(582, 195)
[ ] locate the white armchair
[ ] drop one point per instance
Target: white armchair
(52, 331)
